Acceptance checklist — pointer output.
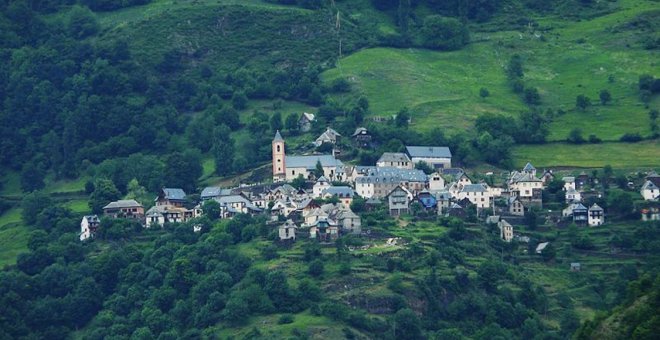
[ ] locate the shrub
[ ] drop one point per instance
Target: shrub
(285, 319)
(594, 139)
(631, 138)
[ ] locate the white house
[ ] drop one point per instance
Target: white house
(569, 183)
(288, 168)
(395, 160)
(524, 184)
(573, 195)
(321, 184)
(287, 231)
(88, 226)
(506, 230)
(596, 215)
(478, 195)
(434, 156)
(436, 182)
(305, 121)
(330, 136)
(650, 191)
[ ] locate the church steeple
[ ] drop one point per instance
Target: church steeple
(279, 157)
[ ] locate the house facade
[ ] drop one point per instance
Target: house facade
(650, 191)
(478, 195)
(124, 209)
(394, 160)
(506, 230)
(399, 201)
(438, 157)
(305, 121)
(88, 226)
(596, 216)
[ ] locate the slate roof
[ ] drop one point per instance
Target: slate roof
(360, 131)
(529, 167)
(648, 185)
(309, 162)
(474, 188)
(92, 218)
(308, 116)
(174, 193)
(406, 175)
(428, 151)
(340, 191)
(394, 157)
(210, 192)
(523, 177)
(373, 200)
(228, 200)
(595, 207)
(123, 204)
(278, 137)
(568, 179)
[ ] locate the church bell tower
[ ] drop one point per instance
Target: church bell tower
(279, 168)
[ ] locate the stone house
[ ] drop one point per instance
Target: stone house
(506, 230)
(305, 121)
(478, 195)
(437, 157)
(436, 182)
(394, 160)
(287, 231)
(596, 215)
(650, 191)
(171, 196)
(516, 207)
(362, 137)
(124, 209)
(88, 226)
(330, 136)
(343, 193)
(399, 201)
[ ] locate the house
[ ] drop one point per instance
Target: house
(330, 136)
(88, 226)
(494, 219)
(394, 160)
(443, 199)
(399, 201)
(324, 230)
(569, 183)
(321, 184)
(287, 231)
(596, 215)
(651, 212)
(124, 209)
(650, 191)
(436, 182)
(161, 214)
(213, 192)
(171, 196)
(362, 137)
(456, 210)
(348, 220)
(343, 193)
(541, 247)
(305, 121)
(506, 230)
(478, 195)
(547, 177)
(525, 184)
(372, 203)
(573, 195)
(581, 180)
(575, 266)
(378, 182)
(654, 178)
(438, 157)
(516, 207)
(529, 169)
(578, 212)
(236, 204)
(427, 200)
(288, 168)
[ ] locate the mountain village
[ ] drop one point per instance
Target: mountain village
(322, 205)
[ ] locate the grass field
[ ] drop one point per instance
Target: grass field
(618, 155)
(561, 58)
(13, 237)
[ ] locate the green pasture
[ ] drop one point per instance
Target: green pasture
(13, 237)
(618, 155)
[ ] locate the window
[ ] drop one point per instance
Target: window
(278, 148)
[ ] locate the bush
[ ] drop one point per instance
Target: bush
(316, 268)
(631, 138)
(285, 319)
(575, 136)
(593, 139)
(444, 33)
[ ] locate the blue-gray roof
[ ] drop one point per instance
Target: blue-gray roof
(209, 192)
(341, 191)
(278, 137)
(529, 167)
(174, 193)
(309, 162)
(428, 151)
(474, 188)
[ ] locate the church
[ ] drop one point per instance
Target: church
(287, 168)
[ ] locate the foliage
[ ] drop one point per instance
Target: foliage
(444, 33)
